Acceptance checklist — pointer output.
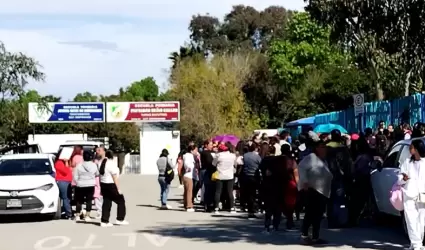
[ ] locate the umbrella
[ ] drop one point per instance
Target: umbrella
(327, 128)
(227, 138)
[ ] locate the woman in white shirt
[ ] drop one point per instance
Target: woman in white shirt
(412, 180)
(188, 176)
(225, 163)
(109, 187)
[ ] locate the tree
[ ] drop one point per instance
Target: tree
(211, 98)
(383, 33)
(305, 65)
(16, 69)
(143, 90)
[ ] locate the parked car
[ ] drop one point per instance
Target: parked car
(384, 175)
(28, 186)
(87, 145)
(21, 149)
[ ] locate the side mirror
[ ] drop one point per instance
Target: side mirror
(376, 164)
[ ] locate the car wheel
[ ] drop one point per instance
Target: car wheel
(58, 214)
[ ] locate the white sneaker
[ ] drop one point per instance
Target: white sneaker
(87, 219)
(190, 210)
(233, 211)
(122, 223)
(103, 224)
(77, 218)
(216, 211)
(169, 207)
(181, 186)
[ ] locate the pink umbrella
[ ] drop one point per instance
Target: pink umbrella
(233, 139)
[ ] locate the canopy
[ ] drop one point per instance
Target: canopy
(301, 122)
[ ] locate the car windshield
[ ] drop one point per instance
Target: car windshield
(25, 167)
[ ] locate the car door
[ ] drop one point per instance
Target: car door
(382, 181)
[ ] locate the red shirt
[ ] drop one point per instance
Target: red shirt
(63, 173)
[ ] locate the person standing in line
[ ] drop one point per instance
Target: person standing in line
(109, 186)
(164, 163)
(249, 179)
(63, 179)
(188, 176)
(316, 179)
(412, 180)
(85, 179)
(179, 167)
(224, 161)
(98, 199)
(207, 170)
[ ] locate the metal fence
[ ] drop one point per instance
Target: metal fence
(134, 166)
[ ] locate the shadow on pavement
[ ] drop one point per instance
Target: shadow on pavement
(229, 230)
(34, 218)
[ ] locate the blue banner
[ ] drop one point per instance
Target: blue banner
(71, 112)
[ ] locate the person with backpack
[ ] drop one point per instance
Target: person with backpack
(109, 186)
(165, 176)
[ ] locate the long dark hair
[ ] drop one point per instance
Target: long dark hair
(108, 156)
(419, 145)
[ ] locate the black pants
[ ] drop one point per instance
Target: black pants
(249, 192)
(315, 208)
(273, 209)
(110, 194)
(226, 186)
(359, 198)
(301, 203)
(83, 195)
(209, 191)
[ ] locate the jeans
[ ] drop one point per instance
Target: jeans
(65, 194)
(209, 190)
(227, 185)
(248, 191)
(165, 187)
(110, 194)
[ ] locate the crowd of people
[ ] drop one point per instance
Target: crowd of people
(89, 176)
(327, 173)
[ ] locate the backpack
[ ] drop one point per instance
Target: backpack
(169, 173)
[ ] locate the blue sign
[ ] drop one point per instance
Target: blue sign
(71, 112)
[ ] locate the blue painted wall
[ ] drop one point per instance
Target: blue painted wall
(410, 109)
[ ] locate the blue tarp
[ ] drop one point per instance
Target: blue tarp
(301, 122)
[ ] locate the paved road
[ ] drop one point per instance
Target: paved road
(175, 229)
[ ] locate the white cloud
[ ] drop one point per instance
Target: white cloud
(140, 50)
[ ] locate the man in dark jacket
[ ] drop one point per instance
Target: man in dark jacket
(341, 166)
(207, 169)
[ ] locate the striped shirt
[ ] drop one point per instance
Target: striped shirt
(225, 163)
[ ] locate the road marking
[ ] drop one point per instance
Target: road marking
(131, 238)
(64, 242)
(156, 240)
(89, 243)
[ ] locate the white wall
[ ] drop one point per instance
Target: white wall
(151, 145)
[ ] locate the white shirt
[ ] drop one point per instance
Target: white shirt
(189, 165)
(225, 163)
(110, 170)
(416, 182)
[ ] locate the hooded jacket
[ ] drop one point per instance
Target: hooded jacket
(85, 174)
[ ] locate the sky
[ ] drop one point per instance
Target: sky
(102, 45)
